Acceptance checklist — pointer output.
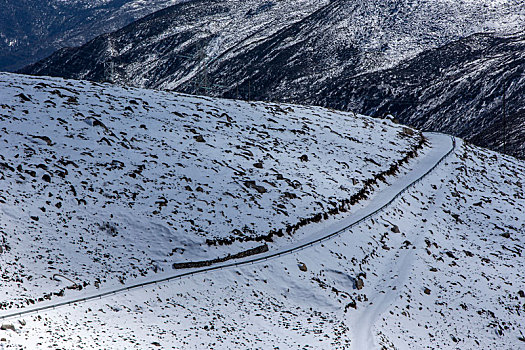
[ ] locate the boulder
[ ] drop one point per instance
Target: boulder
(252, 184)
(7, 326)
(302, 266)
(359, 283)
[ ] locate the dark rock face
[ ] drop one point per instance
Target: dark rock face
(472, 88)
(31, 30)
(321, 55)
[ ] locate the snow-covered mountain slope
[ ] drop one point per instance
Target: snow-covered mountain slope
(105, 184)
(441, 267)
(174, 44)
(472, 88)
(300, 42)
(31, 30)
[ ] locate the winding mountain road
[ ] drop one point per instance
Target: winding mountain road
(441, 146)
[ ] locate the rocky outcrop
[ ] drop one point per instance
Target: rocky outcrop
(342, 206)
(193, 264)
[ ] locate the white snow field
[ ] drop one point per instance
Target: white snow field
(441, 267)
(105, 184)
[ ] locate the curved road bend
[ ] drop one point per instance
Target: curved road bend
(441, 146)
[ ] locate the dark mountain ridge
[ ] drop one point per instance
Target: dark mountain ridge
(472, 88)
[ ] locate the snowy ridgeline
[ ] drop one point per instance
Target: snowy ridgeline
(107, 183)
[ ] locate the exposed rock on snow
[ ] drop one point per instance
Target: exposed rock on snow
(108, 209)
(132, 193)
